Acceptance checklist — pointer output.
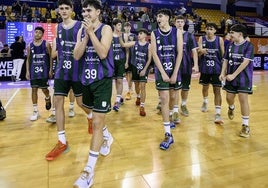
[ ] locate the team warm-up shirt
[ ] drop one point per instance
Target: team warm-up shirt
(166, 47)
(235, 55)
(140, 55)
(210, 63)
(67, 67)
(119, 53)
(189, 43)
(39, 61)
(94, 68)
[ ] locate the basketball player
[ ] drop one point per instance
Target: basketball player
(167, 45)
(119, 62)
(94, 48)
(39, 69)
(189, 64)
(211, 50)
(66, 74)
(127, 36)
(237, 73)
(141, 59)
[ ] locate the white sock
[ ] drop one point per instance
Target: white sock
(167, 127)
(92, 159)
(53, 111)
(142, 104)
(245, 120)
(218, 109)
(118, 98)
(61, 136)
(175, 108)
(35, 107)
(71, 105)
(205, 99)
(183, 102)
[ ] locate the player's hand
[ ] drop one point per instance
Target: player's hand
(88, 25)
(165, 77)
(195, 69)
(230, 77)
(173, 79)
(142, 73)
(126, 65)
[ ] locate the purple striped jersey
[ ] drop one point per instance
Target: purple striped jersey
(118, 51)
(131, 37)
(94, 68)
(39, 61)
(140, 57)
(235, 55)
(67, 67)
(189, 43)
(166, 47)
(211, 63)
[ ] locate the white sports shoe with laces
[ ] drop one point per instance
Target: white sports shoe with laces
(35, 116)
(106, 146)
(86, 178)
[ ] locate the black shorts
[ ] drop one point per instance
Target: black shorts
(206, 79)
(62, 87)
(39, 83)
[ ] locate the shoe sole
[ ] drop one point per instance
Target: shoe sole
(186, 115)
(50, 121)
(219, 122)
(244, 136)
(52, 158)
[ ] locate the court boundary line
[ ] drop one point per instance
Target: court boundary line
(11, 98)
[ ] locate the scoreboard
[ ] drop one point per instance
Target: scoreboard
(26, 29)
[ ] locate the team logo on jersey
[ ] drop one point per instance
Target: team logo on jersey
(62, 42)
(160, 47)
(29, 28)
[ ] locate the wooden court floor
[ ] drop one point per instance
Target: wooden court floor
(203, 155)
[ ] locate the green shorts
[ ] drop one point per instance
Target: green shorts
(119, 68)
(136, 76)
(236, 89)
(97, 96)
(161, 85)
(39, 83)
(62, 87)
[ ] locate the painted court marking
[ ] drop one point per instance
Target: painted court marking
(11, 98)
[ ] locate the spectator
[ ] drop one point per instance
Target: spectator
(16, 7)
(53, 14)
(5, 52)
(145, 17)
(17, 52)
(182, 10)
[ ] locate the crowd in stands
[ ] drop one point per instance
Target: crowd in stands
(22, 12)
